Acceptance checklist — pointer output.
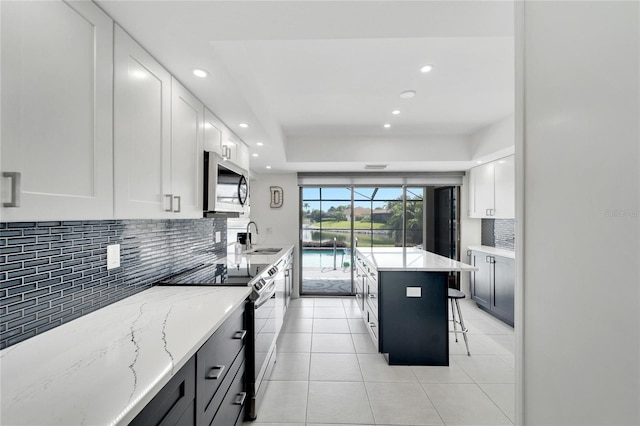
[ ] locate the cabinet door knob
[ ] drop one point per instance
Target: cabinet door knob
(15, 188)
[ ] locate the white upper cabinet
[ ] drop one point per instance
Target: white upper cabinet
(142, 132)
(187, 152)
(492, 190)
(158, 139)
(505, 188)
(213, 129)
(57, 68)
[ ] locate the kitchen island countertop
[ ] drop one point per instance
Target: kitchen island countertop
(104, 367)
(411, 259)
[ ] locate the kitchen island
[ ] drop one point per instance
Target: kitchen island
(105, 367)
(402, 293)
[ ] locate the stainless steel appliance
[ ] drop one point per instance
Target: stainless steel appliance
(260, 315)
(225, 185)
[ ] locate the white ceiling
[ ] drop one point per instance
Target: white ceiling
(316, 79)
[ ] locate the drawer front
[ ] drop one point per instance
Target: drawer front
(173, 405)
(234, 402)
(372, 325)
(215, 359)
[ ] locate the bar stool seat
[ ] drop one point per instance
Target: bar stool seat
(455, 295)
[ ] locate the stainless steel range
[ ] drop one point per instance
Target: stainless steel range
(260, 318)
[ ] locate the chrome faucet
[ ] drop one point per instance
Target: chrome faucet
(249, 235)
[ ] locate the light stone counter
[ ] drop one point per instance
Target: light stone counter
(494, 251)
(411, 259)
(103, 368)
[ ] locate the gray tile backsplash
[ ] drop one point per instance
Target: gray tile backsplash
(54, 272)
(498, 233)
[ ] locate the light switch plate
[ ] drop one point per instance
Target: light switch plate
(113, 256)
(414, 291)
(218, 237)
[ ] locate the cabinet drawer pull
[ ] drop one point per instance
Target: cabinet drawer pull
(215, 372)
(177, 198)
(170, 197)
(240, 398)
(239, 335)
(372, 324)
(15, 188)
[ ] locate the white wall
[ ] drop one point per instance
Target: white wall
(277, 225)
(494, 141)
(581, 231)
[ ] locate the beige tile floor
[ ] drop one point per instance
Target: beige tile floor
(329, 373)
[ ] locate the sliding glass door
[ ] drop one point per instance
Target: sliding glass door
(335, 219)
(326, 238)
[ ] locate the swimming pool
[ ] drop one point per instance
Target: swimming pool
(323, 258)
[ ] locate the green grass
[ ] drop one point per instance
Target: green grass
(345, 224)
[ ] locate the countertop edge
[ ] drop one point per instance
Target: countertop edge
(494, 250)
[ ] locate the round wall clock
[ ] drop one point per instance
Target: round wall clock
(243, 190)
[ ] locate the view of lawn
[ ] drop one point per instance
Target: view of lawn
(345, 224)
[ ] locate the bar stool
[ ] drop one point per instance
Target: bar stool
(455, 295)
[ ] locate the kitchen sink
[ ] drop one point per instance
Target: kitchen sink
(264, 250)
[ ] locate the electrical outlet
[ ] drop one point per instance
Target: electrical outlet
(113, 256)
(269, 230)
(218, 237)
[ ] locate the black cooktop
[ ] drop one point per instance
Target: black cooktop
(216, 274)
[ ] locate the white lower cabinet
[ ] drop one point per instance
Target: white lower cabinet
(57, 72)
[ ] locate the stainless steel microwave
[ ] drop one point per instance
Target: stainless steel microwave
(225, 185)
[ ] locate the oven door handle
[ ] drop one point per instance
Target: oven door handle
(264, 299)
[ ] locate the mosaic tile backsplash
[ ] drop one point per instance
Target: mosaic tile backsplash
(499, 233)
(54, 272)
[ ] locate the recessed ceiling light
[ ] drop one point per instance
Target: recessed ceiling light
(479, 162)
(501, 161)
(259, 144)
(254, 155)
(395, 112)
(200, 73)
(426, 68)
(375, 166)
(387, 125)
(268, 167)
(407, 94)
(244, 125)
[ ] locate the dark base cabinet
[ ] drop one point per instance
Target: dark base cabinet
(493, 285)
(174, 404)
(211, 389)
(414, 329)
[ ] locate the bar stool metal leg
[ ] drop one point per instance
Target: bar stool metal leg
(453, 317)
(464, 329)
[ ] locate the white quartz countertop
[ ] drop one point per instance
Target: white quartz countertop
(494, 251)
(411, 259)
(103, 368)
(253, 257)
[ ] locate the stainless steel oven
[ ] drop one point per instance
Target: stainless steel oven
(260, 313)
